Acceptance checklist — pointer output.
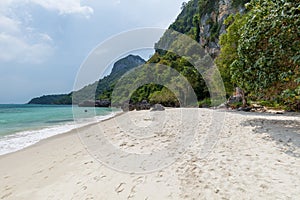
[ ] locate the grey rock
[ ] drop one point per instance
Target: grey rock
(97, 103)
(144, 105)
(238, 98)
(158, 107)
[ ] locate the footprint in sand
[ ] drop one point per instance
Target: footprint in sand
(6, 195)
(120, 189)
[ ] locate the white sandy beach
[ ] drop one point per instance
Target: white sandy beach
(256, 156)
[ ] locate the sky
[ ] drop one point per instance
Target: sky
(43, 43)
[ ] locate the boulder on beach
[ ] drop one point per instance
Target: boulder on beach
(237, 100)
(143, 105)
(158, 107)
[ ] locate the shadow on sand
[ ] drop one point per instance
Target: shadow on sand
(286, 133)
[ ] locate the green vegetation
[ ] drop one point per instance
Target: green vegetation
(185, 21)
(229, 43)
(189, 20)
(270, 104)
(164, 97)
(155, 83)
(260, 51)
(65, 99)
(184, 68)
(205, 103)
(144, 92)
(207, 6)
(238, 3)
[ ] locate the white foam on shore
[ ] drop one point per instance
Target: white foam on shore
(15, 142)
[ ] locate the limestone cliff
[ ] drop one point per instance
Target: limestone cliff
(204, 21)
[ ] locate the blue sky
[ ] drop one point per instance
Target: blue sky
(44, 42)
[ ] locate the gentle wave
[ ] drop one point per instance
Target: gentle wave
(59, 121)
(21, 140)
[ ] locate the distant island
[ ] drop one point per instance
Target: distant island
(57, 99)
(104, 86)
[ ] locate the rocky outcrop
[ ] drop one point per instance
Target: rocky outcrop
(125, 64)
(143, 105)
(238, 100)
(213, 14)
(98, 103)
(103, 103)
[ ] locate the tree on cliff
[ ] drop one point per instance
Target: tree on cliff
(263, 52)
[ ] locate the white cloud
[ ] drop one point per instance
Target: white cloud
(62, 6)
(21, 43)
(65, 6)
(117, 2)
(4, 3)
(8, 25)
(45, 37)
(18, 50)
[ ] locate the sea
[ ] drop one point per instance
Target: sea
(24, 125)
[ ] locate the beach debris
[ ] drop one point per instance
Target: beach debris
(263, 109)
(278, 112)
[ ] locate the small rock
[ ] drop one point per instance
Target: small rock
(223, 105)
(246, 109)
(158, 107)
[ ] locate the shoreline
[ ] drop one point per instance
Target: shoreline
(85, 126)
(71, 126)
(248, 160)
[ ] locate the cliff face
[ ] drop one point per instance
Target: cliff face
(203, 20)
(127, 63)
(212, 23)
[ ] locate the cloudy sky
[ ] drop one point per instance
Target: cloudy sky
(44, 42)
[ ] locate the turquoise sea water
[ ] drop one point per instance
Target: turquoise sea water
(24, 125)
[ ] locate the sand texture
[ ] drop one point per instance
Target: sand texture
(173, 154)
